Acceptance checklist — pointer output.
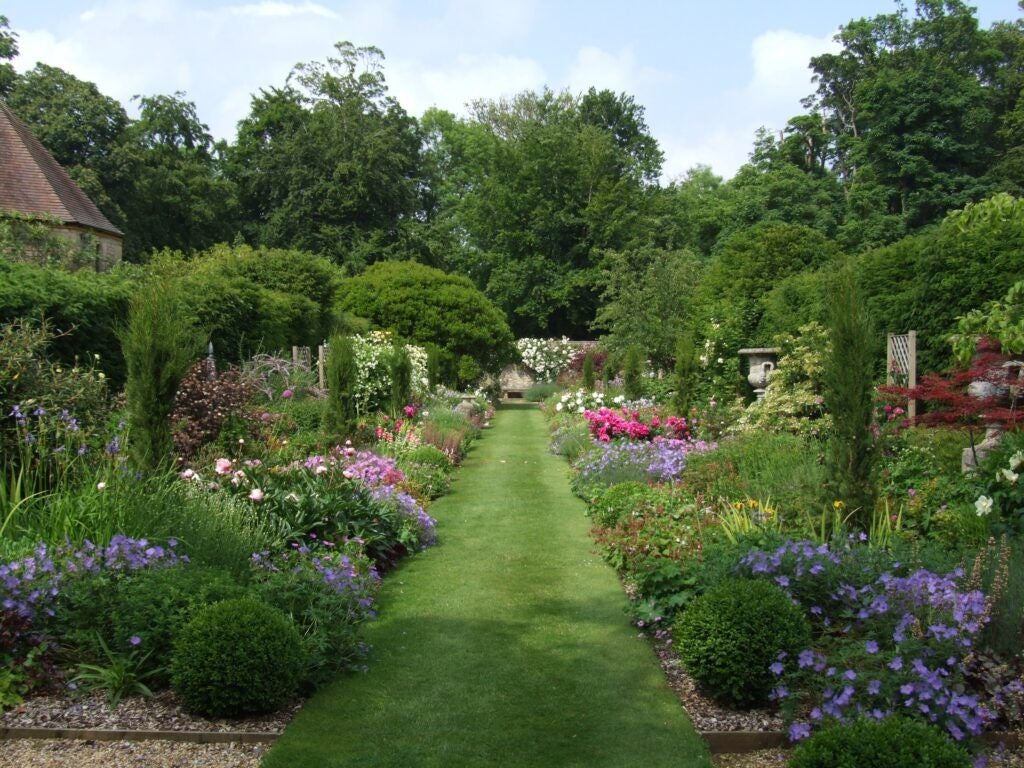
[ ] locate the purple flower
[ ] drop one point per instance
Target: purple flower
(134, 640)
(776, 668)
(799, 731)
(871, 646)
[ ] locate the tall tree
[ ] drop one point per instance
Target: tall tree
(180, 198)
(539, 190)
(911, 99)
(8, 50)
(330, 162)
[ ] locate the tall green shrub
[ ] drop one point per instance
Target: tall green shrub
(433, 366)
(401, 379)
(632, 373)
(159, 344)
(588, 372)
(848, 391)
(684, 371)
(341, 372)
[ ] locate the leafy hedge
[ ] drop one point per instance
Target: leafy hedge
(423, 305)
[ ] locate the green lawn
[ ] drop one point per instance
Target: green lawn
(505, 645)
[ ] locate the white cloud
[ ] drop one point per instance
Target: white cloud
(779, 79)
(781, 65)
(467, 79)
(270, 9)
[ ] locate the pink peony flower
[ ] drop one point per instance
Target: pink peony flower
(256, 495)
(222, 467)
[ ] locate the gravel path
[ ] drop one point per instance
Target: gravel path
(22, 753)
(161, 713)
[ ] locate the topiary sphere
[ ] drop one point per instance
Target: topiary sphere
(729, 637)
(896, 742)
(237, 657)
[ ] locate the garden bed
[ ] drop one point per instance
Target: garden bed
(128, 754)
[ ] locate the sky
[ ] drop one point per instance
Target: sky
(708, 73)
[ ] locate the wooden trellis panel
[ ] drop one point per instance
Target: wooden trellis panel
(901, 364)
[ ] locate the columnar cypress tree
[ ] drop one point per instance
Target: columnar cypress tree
(684, 370)
(401, 379)
(632, 373)
(848, 390)
(588, 372)
(159, 344)
(341, 370)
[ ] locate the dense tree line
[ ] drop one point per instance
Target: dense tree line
(553, 204)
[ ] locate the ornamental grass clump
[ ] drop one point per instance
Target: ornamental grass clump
(894, 742)
(237, 657)
(729, 637)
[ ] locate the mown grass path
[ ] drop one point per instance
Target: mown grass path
(506, 645)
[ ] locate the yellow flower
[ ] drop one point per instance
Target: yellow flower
(837, 504)
(737, 505)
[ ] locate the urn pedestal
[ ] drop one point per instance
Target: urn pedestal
(761, 362)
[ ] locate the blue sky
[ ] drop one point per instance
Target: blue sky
(708, 73)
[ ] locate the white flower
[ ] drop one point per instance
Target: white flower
(558, 406)
(256, 495)
(983, 505)
(720, 361)
(101, 487)
(1016, 460)
(1008, 476)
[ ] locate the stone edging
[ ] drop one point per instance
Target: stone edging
(725, 742)
(108, 734)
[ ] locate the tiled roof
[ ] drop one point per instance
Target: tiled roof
(33, 183)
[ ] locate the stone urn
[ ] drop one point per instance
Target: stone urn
(761, 361)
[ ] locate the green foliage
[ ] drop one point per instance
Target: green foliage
(747, 266)
(587, 374)
(895, 742)
(848, 391)
(729, 636)
(973, 257)
(179, 197)
(328, 163)
(541, 391)
(433, 365)
(237, 657)
(618, 501)
(793, 401)
(647, 299)
(83, 309)
(340, 372)
(328, 615)
(159, 345)
(401, 380)
(251, 300)
(119, 674)
(1001, 321)
(632, 373)
(684, 371)
(425, 305)
(531, 191)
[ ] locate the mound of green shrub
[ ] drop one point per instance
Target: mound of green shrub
(237, 657)
(621, 500)
(896, 742)
(730, 636)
